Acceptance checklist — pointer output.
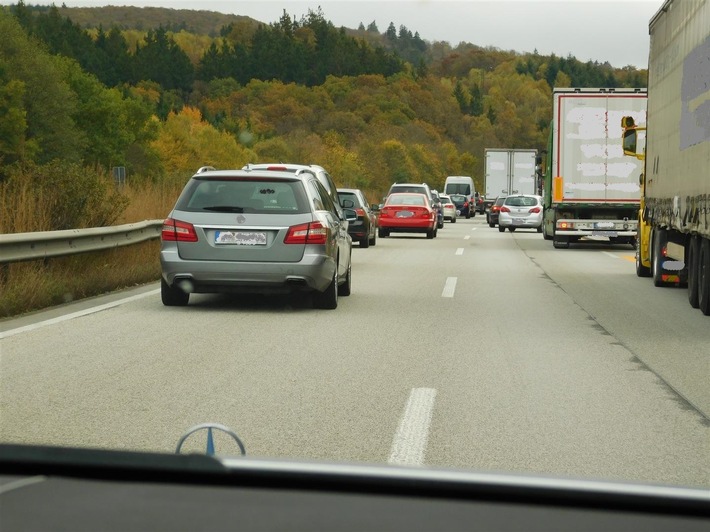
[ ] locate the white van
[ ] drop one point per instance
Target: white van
(459, 185)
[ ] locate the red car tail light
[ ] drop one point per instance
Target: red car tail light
(504, 209)
(495, 208)
(177, 231)
(534, 210)
(308, 233)
(360, 212)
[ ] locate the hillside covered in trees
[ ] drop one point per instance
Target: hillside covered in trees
(162, 92)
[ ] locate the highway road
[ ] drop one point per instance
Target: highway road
(478, 350)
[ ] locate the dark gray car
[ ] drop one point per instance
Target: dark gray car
(256, 231)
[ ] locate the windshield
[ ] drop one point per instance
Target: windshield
(458, 188)
(140, 297)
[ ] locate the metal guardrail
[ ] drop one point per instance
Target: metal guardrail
(17, 247)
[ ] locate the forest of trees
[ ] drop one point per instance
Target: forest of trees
(371, 107)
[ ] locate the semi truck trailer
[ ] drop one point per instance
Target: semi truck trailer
(590, 188)
(674, 220)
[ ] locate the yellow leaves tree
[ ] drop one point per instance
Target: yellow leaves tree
(185, 142)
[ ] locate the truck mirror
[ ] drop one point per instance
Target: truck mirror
(630, 142)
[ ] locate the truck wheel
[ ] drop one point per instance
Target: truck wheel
(704, 277)
(693, 267)
(545, 234)
(641, 270)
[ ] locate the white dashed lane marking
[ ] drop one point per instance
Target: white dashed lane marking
(449, 287)
(410, 441)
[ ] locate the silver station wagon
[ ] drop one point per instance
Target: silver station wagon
(256, 231)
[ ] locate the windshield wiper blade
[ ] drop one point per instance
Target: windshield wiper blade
(224, 208)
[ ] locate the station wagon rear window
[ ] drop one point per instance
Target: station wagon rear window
(244, 195)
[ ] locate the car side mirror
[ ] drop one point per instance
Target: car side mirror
(350, 214)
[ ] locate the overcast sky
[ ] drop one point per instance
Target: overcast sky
(597, 30)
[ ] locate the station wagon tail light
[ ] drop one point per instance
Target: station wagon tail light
(504, 209)
(309, 233)
(177, 231)
(360, 212)
(534, 210)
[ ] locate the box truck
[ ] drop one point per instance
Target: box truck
(674, 225)
(590, 188)
(509, 172)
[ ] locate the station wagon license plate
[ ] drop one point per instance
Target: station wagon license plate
(240, 238)
(404, 214)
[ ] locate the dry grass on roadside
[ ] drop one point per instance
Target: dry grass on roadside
(149, 202)
(29, 286)
(34, 285)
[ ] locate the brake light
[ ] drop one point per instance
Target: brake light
(360, 212)
(504, 209)
(564, 225)
(535, 209)
(277, 168)
(495, 208)
(308, 233)
(465, 203)
(177, 231)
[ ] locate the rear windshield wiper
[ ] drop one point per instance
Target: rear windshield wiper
(224, 208)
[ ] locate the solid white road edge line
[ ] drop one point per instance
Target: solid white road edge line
(449, 287)
(410, 441)
(78, 314)
(459, 251)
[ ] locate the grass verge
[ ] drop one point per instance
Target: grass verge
(29, 286)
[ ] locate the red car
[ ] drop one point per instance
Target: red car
(407, 212)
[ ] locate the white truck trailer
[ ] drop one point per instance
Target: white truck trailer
(509, 171)
(590, 188)
(674, 227)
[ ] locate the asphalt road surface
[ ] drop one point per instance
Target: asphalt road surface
(477, 350)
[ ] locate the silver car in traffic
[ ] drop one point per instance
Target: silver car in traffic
(256, 231)
(520, 211)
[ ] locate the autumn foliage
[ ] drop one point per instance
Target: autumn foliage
(161, 101)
